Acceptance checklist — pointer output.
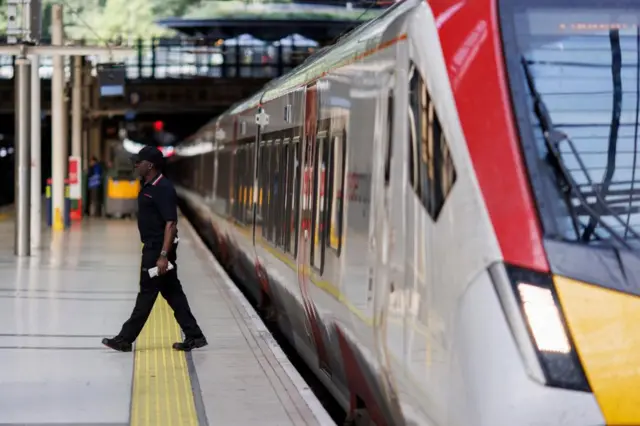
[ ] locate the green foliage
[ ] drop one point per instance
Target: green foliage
(277, 10)
(102, 20)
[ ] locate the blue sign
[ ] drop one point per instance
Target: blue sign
(130, 115)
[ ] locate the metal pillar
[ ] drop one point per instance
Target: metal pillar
(36, 143)
(59, 141)
(23, 157)
(76, 101)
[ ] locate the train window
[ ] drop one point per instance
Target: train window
(273, 188)
(337, 161)
(262, 171)
(264, 184)
(243, 182)
(277, 182)
(431, 167)
(273, 196)
(246, 160)
(208, 173)
(222, 172)
(319, 200)
(237, 184)
(296, 180)
(281, 189)
(387, 161)
(286, 184)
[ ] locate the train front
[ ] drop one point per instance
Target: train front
(573, 70)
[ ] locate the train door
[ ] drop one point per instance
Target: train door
(385, 231)
(307, 265)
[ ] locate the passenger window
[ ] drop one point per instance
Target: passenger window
(432, 171)
(320, 200)
(295, 182)
(387, 160)
(337, 158)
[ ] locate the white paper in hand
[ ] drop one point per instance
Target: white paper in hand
(153, 272)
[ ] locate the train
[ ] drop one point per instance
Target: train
(438, 212)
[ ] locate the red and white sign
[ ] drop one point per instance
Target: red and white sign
(75, 178)
(74, 170)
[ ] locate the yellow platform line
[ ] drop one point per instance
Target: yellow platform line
(162, 392)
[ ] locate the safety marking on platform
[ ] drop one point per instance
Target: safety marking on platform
(162, 393)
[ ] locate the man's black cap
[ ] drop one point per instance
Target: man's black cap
(150, 154)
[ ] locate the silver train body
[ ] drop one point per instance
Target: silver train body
(345, 198)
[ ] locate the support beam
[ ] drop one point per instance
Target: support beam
(23, 158)
(59, 142)
(36, 152)
(76, 105)
(56, 50)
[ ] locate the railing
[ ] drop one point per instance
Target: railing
(181, 58)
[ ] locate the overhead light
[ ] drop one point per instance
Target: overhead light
(133, 147)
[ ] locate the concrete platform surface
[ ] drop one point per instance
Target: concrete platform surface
(56, 306)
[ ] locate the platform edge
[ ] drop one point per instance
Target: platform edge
(314, 405)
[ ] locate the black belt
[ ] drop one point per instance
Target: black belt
(157, 243)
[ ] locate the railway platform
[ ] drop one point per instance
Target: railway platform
(57, 305)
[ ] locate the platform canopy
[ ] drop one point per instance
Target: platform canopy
(270, 22)
(297, 40)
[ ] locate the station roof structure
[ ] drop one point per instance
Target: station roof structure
(271, 21)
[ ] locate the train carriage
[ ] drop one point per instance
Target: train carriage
(439, 211)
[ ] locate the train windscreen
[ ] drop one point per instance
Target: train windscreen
(574, 68)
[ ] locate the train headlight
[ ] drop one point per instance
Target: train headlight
(543, 318)
(534, 315)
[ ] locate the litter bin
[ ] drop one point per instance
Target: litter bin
(67, 204)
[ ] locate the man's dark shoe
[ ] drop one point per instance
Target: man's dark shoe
(118, 344)
(190, 343)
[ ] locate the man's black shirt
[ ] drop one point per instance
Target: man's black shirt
(157, 205)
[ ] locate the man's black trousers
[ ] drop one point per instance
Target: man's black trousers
(169, 286)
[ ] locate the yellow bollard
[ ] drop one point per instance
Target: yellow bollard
(58, 223)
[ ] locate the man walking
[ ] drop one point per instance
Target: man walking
(157, 223)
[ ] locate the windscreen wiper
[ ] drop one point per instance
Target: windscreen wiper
(553, 138)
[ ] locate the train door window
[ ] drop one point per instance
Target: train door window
(296, 179)
(208, 173)
(248, 182)
(243, 178)
(264, 187)
(273, 177)
(268, 182)
(282, 190)
(335, 190)
(267, 189)
(387, 162)
(247, 174)
(319, 200)
(262, 170)
(277, 191)
(242, 161)
(237, 184)
(286, 213)
(434, 173)
(223, 170)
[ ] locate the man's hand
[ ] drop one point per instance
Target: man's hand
(162, 263)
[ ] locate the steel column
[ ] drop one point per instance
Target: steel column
(23, 157)
(36, 162)
(59, 142)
